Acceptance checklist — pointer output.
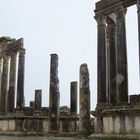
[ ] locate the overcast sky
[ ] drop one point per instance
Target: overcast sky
(65, 27)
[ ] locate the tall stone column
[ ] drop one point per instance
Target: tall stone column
(4, 85)
(73, 98)
(20, 82)
(111, 35)
(54, 109)
(38, 100)
(138, 7)
(84, 121)
(12, 83)
(122, 76)
(102, 62)
(1, 66)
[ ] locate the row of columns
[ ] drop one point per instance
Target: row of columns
(112, 59)
(8, 82)
(54, 99)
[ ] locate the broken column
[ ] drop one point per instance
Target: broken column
(111, 35)
(54, 109)
(38, 100)
(12, 83)
(73, 98)
(121, 49)
(20, 82)
(84, 120)
(4, 85)
(102, 62)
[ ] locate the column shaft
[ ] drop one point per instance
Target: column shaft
(1, 66)
(102, 62)
(84, 120)
(4, 85)
(122, 76)
(38, 100)
(20, 82)
(73, 98)
(111, 34)
(12, 83)
(54, 109)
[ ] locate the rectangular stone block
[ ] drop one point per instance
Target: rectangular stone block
(45, 126)
(5, 125)
(12, 125)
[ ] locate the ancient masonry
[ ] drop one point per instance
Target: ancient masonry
(38, 120)
(117, 115)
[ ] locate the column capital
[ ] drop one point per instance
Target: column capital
(120, 12)
(101, 19)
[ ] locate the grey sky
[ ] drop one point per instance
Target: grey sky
(65, 27)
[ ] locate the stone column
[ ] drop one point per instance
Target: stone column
(4, 85)
(54, 109)
(38, 100)
(20, 82)
(111, 34)
(138, 7)
(73, 98)
(84, 120)
(1, 66)
(121, 50)
(12, 83)
(102, 62)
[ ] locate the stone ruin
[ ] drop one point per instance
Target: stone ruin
(117, 115)
(38, 120)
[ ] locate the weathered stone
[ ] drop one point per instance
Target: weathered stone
(12, 83)
(73, 98)
(4, 86)
(32, 104)
(84, 120)
(111, 58)
(38, 100)
(20, 82)
(102, 62)
(54, 109)
(122, 77)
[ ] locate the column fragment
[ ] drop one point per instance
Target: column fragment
(20, 82)
(12, 83)
(54, 109)
(84, 121)
(122, 76)
(102, 62)
(38, 100)
(73, 98)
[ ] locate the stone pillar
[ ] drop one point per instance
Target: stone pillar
(20, 82)
(54, 109)
(38, 100)
(102, 62)
(73, 98)
(111, 34)
(4, 85)
(1, 66)
(84, 120)
(12, 83)
(121, 50)
(138, 7)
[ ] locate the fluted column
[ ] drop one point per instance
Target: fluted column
(102, 62)
(73, 98)
(20, 82)
(54, 109)
(84, 120)
(121, 63)
(111, 34)
(12, 83)
(4, 85)
(138, 7)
